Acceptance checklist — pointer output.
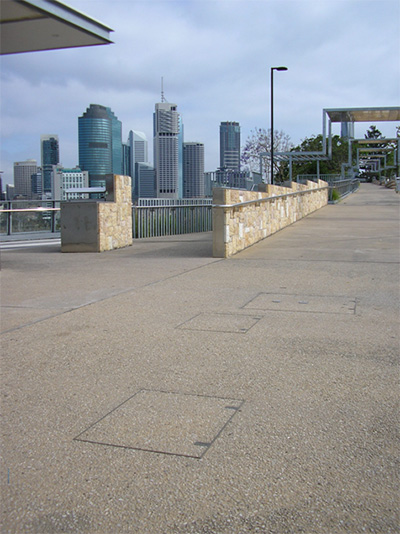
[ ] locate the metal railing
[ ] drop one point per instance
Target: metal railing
(154, 219)
(302, 178)
(338, 187)
(150, 218)
(23, 216)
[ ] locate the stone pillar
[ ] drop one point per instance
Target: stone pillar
(99, 225)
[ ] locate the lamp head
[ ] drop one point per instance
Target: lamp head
(279, 68)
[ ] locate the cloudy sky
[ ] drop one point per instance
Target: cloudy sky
(215, 58)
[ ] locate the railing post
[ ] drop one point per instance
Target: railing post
(9, 220)
(53, 218)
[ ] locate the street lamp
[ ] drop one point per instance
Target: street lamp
(272, 119)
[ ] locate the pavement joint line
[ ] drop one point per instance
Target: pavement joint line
(244, 330)
(117, 294)
(206, 445)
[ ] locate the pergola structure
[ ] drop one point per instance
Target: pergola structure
(374, 158)
(342, 115)
(33, 25)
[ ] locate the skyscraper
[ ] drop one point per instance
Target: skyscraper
(166, 149)
(100, 144)
(229, 145)
(50, 155)
(23, 171)
(138, 153)
(37, 184)
(193, 170)
(145, 181)
(139, 147)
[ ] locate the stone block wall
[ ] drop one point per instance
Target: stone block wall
(115, 218)
(97, 226)
(237, 225)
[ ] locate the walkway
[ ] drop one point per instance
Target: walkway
(156, 389)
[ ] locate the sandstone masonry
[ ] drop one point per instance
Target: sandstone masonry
(96, 226)
(242, 218)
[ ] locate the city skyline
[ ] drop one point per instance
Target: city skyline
(101, 151)
(215, 61)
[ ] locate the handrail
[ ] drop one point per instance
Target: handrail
(270, 198)
(175, 206)
(28, 209)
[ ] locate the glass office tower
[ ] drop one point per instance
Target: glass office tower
(100, 144)
(50, 155)
(229, 145)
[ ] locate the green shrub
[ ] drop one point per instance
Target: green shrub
(335, 196)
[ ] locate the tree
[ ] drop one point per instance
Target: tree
(329, 166)
(259, 141)
(373, 133)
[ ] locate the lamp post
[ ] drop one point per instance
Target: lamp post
(272, 119)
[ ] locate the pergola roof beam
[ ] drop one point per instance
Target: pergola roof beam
(381, 114)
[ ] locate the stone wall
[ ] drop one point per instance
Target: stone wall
(96, 226)
(237, 226)
(115, 218)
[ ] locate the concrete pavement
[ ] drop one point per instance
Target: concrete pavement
(156, 389)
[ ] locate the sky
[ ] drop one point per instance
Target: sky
(215, 58)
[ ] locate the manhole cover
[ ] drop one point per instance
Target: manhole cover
(164, 422)
(302, 303)
(221, 322)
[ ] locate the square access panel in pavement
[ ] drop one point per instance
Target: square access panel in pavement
(302, 303)
(230, 323)
(164, 422)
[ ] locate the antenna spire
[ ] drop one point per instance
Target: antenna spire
(162, 90)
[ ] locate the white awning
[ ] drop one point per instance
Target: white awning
(32, 25)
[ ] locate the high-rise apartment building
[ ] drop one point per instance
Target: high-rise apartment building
(23, 171)
(193, 170)
(100, 144)
(50, 155)
(229, 145)
(166, 149)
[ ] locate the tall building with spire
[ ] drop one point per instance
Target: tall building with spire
(166, 128)
(229, 146)
(100, 144)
